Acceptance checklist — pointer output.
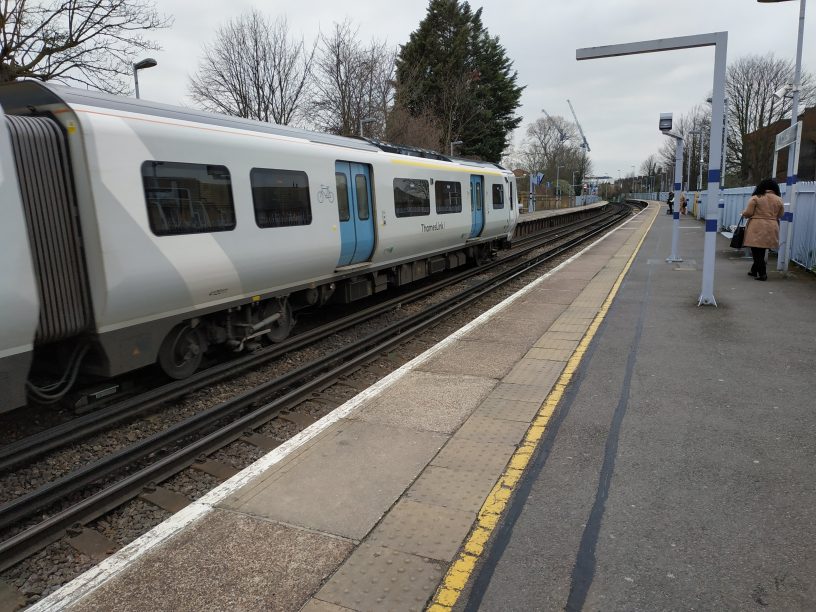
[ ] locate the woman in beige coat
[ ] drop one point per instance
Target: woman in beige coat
(763, 212)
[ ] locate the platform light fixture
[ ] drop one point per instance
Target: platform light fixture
(363, 122)
(455, 143)
(148, 62)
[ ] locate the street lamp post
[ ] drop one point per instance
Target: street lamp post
(148, 62)
(455, 143)
(363, 122)
(782, 264)
(557, 185)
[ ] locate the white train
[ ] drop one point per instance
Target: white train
(137, 233)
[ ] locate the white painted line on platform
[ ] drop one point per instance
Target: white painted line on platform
(85, 583)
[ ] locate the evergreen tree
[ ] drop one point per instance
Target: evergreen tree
(454, 71)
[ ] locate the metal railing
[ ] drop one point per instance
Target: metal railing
(803, 242)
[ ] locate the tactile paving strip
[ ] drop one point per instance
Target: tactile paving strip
(377, 578)
(495, 431)
(511, 410)
(521, 393)
(550, 354)
(467, 455)
(556, 341)
(535, 372)
(423, 529)
(458, 489)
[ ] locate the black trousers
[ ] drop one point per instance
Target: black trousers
(759, 261)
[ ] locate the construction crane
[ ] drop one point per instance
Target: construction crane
(585, 144)
(562, 135)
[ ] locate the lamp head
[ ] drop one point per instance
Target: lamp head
(148, 62)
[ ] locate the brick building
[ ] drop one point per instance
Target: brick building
(758, 150)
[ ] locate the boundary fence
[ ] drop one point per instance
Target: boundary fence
(803, 242)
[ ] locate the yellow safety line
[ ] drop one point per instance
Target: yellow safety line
(461, 569)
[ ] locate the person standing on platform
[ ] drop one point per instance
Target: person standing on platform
(683, 203)
(763, 211)
(670, 202)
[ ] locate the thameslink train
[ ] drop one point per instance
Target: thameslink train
(136, 233)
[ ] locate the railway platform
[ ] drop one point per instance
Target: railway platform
(596, 441)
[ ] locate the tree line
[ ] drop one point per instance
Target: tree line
(753, 102)
(451, 82)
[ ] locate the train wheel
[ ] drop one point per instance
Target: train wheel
(181, 352)
(279, 330)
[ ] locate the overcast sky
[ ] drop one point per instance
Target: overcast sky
(617, 100)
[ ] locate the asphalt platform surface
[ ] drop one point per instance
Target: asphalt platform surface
(678, 471)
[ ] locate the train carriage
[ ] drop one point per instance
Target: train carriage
(147, 233)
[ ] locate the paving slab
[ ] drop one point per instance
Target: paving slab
(476, 358)
(428, 401)
(535, 373)
(555, 293)
(481, 428)
(513, 329)
(226, 561)
(458, 489)
(373, 575)
(426, 530)
(344, 484)
(511, 410)
(469, 455)
(520, 392)
(316, 605)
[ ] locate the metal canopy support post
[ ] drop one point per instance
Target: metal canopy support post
(794, 150)
(719, 40)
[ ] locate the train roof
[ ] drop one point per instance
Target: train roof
(20, 96)
(16, 97)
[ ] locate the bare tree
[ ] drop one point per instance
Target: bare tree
(752, 105)
(254, 70)
(352, 83)
(84, 42)
(550, 143)
(420, 131)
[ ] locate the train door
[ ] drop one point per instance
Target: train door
(476, 205)
(356, 214)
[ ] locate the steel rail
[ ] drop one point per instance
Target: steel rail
(53, 438)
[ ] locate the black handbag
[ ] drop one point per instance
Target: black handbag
(739, 235)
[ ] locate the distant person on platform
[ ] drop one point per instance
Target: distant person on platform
(670, 202)
(763, 211)
(683, 203)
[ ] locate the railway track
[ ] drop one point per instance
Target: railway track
(154, 459)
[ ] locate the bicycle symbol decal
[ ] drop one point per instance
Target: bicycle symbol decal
(325, 193)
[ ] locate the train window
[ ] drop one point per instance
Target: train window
(280, 197)
(187, 198)
(342, 196)
(448, 197)
(498, 196)
(362, 196)
(411, 198)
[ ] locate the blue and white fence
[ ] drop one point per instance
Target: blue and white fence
(803, 244)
